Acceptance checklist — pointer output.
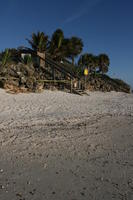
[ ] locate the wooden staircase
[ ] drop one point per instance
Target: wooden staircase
(69, 74)
(52, 67)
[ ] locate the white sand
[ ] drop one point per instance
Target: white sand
(53, 106)
(56, 145)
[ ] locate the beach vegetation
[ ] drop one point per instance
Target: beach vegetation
(54, 59)
(6, 57)
(39, 41)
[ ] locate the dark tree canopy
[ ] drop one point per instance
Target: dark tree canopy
(104, 63)
(94, 63)
(61, 48)
(39, 42)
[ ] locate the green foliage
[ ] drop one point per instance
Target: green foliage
(6, 57)
(87, 61)
(104, 63)
(63, 50)
(39, 42)
(57, 38)
(61, 47)
(27, 60)
(56, 45)
(95, 64)
(74, 47)
(9, 55)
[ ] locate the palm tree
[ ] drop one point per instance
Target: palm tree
(83, 60)
(10, 55)
(104, 63)
(39, 43)
(56, 45)
(74, 47)
(61, 47)
(88, 61)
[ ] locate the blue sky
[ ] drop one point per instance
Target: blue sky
(106, 26)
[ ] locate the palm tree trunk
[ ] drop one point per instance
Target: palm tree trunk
(42, 58)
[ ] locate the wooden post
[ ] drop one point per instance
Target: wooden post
(71, 87)
(79, 84)
(85, 83)
(53, 72)
(63, 86)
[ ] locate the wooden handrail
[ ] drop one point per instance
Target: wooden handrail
(49, 60)
(61, 66)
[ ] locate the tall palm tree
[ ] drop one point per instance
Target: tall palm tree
(56, 45)
(74, 47)
(104, 63)
(39, 43)
(61, 47)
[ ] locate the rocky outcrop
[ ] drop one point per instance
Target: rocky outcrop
(21, 77)
(104, 83)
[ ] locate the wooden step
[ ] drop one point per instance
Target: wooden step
(80, 92)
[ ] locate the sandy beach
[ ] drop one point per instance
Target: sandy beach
(60, 146)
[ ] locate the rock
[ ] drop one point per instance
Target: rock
(30, 83)
(106, 84)
(38, 86)
(22, 78)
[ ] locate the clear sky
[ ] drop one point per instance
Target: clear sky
(106, 26)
